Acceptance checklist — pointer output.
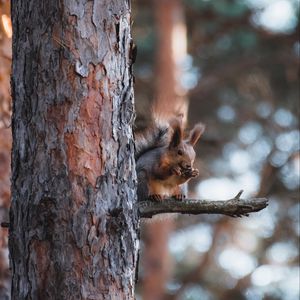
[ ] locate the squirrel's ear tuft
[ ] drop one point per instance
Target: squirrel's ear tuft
(177, 133)
(196, 133)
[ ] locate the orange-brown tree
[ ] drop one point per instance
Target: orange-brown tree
(73, 226)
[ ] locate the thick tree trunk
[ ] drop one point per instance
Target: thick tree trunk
(73, 226)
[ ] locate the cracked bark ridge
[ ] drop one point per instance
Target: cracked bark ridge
(235, 207)
(73, 225)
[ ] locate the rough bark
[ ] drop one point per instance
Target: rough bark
(73, 225)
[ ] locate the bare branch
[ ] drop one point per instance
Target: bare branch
(235, 207)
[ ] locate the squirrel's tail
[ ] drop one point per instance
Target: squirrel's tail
(152, 137)
(158, 134)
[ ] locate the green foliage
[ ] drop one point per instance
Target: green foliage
(223, 8)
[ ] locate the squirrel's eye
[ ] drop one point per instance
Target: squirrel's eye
(180, 152)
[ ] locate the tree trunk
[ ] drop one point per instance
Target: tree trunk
(73, 226)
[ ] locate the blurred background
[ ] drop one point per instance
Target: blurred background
(5, 141)
(233, 65)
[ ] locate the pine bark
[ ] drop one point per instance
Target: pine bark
(73, 226)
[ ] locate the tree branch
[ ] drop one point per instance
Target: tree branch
(235, 207)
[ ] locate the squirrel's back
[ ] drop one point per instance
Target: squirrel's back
(153, 137)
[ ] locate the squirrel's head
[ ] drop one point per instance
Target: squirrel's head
(181, 151)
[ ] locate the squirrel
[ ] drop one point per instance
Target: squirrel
(164, 159)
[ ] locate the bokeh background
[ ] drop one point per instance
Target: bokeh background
(233, 65)
(236, 69)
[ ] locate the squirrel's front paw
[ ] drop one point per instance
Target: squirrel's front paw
(191, 173)
(176, 170)
(156, 197)
(194, 173)
(179, 197)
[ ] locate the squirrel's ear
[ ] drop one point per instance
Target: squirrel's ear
(195, 133)
(176, 134)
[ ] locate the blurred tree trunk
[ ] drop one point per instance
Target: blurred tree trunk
(5, 147)
(170, 98)
(171, 53)
(5, 142)
(73, 226)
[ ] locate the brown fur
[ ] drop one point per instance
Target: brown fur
(162, 169)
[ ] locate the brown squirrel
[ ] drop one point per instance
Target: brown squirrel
(164, 160)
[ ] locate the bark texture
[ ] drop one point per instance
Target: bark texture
(73, 225)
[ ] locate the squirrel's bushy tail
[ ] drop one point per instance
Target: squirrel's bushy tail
(152, 137)
(158, 133)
